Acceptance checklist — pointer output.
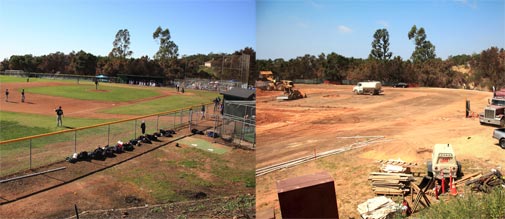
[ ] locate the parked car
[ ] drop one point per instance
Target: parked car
(401, 84)
(500, 135)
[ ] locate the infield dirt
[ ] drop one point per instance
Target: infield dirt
(45, 104)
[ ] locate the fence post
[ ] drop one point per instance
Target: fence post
(108, 134)
(135, 130)
(75, 141)
(30, 154)
(190, 118)
(157, 121)
(181, 117)
(243, 123)
(175, 115)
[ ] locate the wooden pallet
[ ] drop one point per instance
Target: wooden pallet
(390, 183)
(398, 163)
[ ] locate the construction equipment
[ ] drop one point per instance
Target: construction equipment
(443, 162)
(290, 94)
(371, 87)
(266, 81)
(494, 113)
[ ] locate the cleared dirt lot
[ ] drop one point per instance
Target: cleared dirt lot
(413, 119)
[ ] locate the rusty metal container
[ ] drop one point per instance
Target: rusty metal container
(309, 196)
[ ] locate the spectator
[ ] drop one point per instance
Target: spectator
(23, 96)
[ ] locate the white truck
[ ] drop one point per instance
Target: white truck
(499, 134)
(369, 87)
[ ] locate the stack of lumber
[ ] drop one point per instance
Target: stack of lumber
(466, 178)
(486, 182)
(390, 183)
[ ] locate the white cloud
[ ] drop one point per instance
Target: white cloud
(344, 29)
(383, 23)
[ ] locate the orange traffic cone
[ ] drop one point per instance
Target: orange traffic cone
(453, 187)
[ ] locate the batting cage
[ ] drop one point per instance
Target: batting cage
(238, 123)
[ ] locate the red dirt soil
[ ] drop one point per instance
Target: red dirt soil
(413, 119)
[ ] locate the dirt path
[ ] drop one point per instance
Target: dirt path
(45, 105)
(412, 119)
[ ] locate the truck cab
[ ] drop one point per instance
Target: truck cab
(494, 113)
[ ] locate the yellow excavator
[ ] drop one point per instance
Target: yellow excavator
(289, 92)
(267, 82)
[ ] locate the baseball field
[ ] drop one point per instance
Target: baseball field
(153, 174)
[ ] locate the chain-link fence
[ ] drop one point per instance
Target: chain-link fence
(207, 84)
(238, 124)
(58, 76)
(36, 151)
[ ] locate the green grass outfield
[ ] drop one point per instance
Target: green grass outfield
(105, 92)
(165, 104)
(17, 125)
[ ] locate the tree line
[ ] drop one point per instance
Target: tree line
(485, 69)
(165, 62)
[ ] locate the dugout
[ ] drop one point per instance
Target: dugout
(142, 79)
(239, 94)
(102, 78)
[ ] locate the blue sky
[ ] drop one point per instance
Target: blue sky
(288, 29)
(41, 27)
